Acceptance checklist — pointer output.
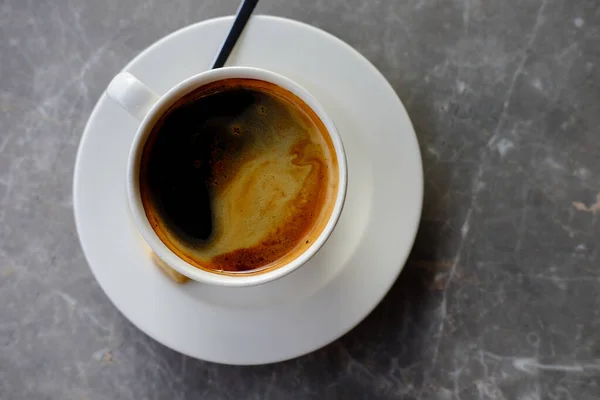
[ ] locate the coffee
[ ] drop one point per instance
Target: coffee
(239, 176)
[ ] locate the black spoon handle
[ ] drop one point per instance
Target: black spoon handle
(243, 14)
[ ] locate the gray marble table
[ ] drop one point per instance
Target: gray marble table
(500, 299)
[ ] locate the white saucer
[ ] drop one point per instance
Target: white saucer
(323, 299)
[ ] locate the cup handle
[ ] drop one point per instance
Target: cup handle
(131, 94)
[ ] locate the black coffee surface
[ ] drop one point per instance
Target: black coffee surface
(236, 175)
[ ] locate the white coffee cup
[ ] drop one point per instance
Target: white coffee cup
(148, 107)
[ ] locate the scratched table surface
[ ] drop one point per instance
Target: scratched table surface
(500, 298)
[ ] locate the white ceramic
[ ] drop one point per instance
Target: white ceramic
(148, 107)
(333, 291)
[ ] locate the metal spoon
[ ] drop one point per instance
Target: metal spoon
(242, 16)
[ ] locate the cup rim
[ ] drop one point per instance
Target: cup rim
(134, 160)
